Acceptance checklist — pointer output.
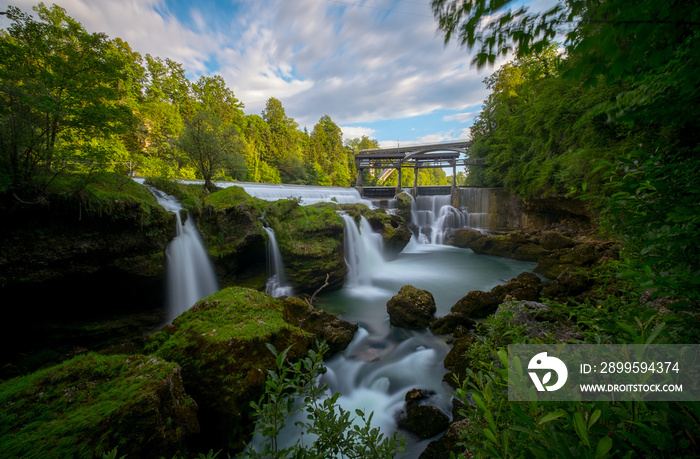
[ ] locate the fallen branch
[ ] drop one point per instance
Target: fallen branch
(313, 297)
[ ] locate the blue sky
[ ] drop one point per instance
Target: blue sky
(376, 67)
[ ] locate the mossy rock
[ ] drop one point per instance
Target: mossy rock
(405, 205)
(336, 332)
(526, 286)
(221, 345)
(460, 358)
(310, 239)
(500, 246)
(411, 308)
(393, 228)
(464, 237)
(476, 304)
(86, 225)
(553, 240)
(91, 404)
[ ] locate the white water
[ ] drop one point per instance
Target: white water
(277, 284)
(436, 219)
(363, 252)
(190, 274)
(305, 193)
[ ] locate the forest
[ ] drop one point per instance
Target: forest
(74, 101)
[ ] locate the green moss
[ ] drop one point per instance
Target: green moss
(107, 194)
(233, 196)
(87, 405)
(221, 345)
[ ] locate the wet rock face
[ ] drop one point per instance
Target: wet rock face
(420, 418)
(555, 251)
(411, 308)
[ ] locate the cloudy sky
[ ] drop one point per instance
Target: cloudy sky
(376, 67)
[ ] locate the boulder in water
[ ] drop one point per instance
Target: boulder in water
(420, 418)
(221, 345)
(464, 237)
(411, 308)
(448, 324)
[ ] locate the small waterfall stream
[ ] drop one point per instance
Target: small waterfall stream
(190, 274)
(277, 284)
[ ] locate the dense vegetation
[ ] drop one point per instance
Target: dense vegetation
(607, 116)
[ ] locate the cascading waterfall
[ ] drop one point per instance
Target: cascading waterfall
(277, 284)
(436, 218)
(363, 251)
(190, 274)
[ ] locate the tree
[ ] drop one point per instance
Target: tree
(207, 143)
(60, 87)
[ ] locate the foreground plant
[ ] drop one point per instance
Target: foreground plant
(331, 431)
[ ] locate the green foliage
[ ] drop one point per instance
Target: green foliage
(652, 204)
(330, 430)
(502, 428)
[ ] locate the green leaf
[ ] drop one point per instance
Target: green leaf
(552, 416)
(581, 428)
(604, 446)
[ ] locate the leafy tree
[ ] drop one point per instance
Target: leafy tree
(326, 149)
(61, 87)
(207, 142)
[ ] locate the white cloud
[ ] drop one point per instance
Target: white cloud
(356, 132)
(358, 62)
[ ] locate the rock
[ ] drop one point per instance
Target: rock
(526, 286)
(336, 332)
(458, 359)
(476, 304)
(221, 345)
(411, 308)
(553, 240)
(405, 206)
(530, 252)
(567, 284)
(448, 324)
(446, 447)
(500, 246)
(89, 405)
(421, 419)
(464, 237)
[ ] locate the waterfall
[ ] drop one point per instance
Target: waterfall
(363, 251)
(477, 201)
(436, 218)
(190, 274)
(277, 282)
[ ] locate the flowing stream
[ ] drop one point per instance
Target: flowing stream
(385, 362)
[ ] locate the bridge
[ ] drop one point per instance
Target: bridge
(438, 155)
